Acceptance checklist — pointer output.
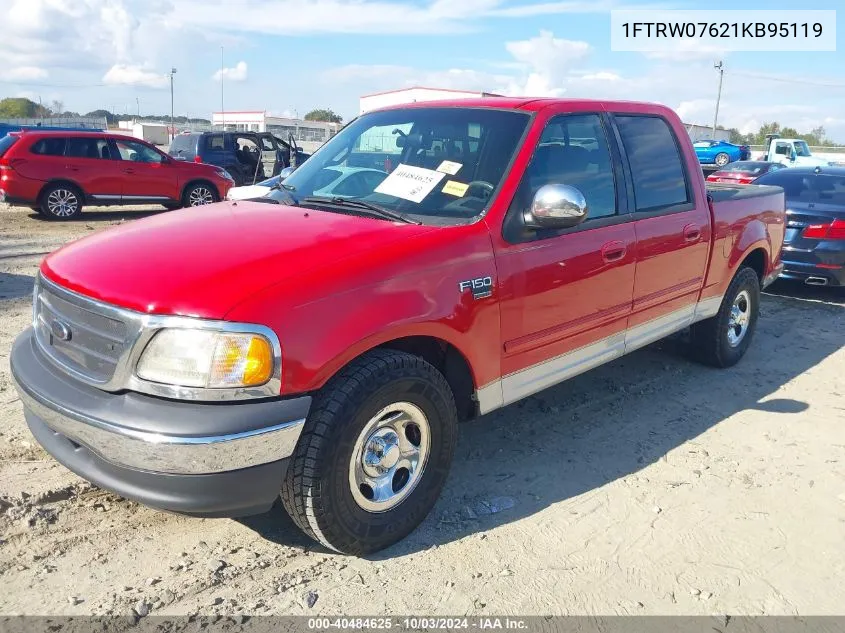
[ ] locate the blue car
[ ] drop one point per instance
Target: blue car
(718, 153)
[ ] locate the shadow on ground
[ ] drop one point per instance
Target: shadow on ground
(113, 214)
(609, 423)
(15, 286)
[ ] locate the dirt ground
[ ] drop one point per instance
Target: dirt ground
(649, 486)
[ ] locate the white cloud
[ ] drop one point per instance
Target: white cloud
(23, 73)
(124, 74)
(236, 73)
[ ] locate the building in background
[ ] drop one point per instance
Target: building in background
(309, 134)
(414, 94)
(705, 132)
(156, 133)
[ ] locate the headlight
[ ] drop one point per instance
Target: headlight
(208, 359)
(225, 174)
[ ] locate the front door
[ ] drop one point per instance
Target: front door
(149, 176)
(672, 224)
(566, 294)
(88, 161)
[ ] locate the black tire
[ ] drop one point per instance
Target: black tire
(61, 201)
(711, 339)
(722, 159)
(317, 490)
(199, 194)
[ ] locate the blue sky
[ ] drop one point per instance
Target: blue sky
(289, 56)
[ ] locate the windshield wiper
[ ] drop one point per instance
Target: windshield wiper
(374, 209)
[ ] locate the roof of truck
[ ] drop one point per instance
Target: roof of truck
(532, 104)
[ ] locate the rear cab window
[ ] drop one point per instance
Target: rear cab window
(183, 146)
(655, 163)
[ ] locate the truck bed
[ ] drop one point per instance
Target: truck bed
(722, 192)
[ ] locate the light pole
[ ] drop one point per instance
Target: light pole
(222, 109)
(721, 68)
(172, 130)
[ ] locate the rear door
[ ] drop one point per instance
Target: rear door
(672, 224)
(89, 162)
(147, 174)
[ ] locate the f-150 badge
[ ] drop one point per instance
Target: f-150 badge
(481, 287)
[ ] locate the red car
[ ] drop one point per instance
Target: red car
(57, 173)
(326, 346)
(743, 172)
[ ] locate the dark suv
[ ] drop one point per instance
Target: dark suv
(249, 157)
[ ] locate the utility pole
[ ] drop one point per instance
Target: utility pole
(172, 129)
(222, 109)
(138, 105)
(721, 68)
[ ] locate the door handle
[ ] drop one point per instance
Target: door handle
(691, 233)
(129, 170)
(613, 251)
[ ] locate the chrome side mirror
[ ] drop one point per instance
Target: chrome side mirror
(556, 207)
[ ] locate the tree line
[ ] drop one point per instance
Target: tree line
(816, 137)
(23, 108)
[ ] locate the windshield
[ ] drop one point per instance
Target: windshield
(801, 148)
(746, 168)
(432, 164)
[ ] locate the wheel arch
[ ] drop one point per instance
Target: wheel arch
(198, 181)
(443, 354)
(62, 181)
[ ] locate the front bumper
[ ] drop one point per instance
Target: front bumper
(209, 459)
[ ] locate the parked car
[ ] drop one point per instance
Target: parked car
(327, 347)
(250, 157)
(259, 189)
(719, 153)
(58, 173)
(791, 152)
(814, 250)
(743, 172)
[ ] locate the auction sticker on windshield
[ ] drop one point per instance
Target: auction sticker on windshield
(410, 183)
(449, 167)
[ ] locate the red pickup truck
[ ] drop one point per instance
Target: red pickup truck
(325, 346)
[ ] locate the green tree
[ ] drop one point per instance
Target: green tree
(322, 114)
(19, 108)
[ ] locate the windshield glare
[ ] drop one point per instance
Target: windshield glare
(439, 163)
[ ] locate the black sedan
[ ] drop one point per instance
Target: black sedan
(814, 248)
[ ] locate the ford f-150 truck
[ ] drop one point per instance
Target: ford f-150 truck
(325, 347)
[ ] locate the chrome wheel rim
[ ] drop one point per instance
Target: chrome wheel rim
(739, 319)
(389, 457)
(200, 196)
(62, 203)
(722, 160)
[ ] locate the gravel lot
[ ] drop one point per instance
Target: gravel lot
(649, 486)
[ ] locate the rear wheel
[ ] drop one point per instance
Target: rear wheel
(199, 194)
(722, 340)
(61, 202)
(374, 453)
(722, 159)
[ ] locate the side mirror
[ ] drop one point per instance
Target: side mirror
(556, 207)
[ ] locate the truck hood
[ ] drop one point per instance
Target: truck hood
(811, 161)
(204, 261)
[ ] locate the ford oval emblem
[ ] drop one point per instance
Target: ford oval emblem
(60, 330)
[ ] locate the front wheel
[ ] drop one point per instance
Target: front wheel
(374, 453)
(722, 340)
(199, 195)
(722, 159)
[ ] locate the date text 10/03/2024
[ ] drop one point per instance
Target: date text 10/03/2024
(419, 623)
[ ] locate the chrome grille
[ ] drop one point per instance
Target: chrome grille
(77, 337)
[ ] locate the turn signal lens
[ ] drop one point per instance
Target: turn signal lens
(241, 360)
